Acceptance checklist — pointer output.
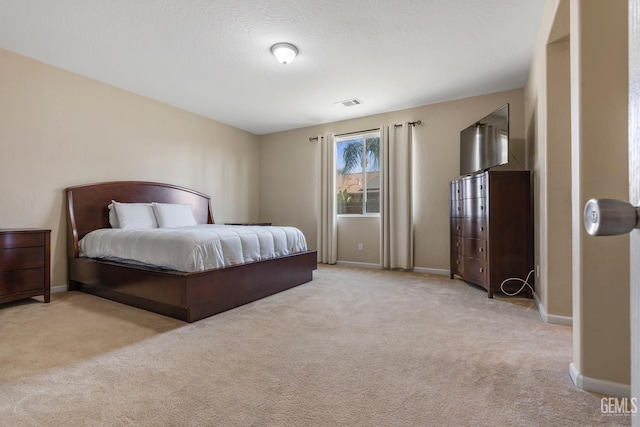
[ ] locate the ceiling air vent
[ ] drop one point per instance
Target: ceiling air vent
(348, 102)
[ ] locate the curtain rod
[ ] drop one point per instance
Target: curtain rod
(357, 131)
(417, 122)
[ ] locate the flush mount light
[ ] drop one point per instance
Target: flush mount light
(284, 52)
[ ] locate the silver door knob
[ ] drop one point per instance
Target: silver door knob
(609, 217)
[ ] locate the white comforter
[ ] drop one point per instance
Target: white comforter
(196, 248)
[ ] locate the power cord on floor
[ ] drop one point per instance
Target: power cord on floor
(525, 282)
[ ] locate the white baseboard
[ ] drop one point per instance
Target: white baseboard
(551, 318)
(59, 289)
(358, 264)
(608, 388)
(559, 320)
(438, 271)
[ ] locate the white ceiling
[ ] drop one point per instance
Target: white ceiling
(213, 57)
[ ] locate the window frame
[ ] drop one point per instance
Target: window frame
(364, 136)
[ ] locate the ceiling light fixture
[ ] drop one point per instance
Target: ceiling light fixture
(284, 52)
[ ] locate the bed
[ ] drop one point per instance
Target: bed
(188, 296)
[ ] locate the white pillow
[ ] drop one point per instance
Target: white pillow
(174, 215)
(134, 215)
(113, 217)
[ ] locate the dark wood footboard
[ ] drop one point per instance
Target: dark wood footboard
(191, 296)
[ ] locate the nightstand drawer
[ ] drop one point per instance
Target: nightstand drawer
(21, 281)
(21, 258)
(21, 240)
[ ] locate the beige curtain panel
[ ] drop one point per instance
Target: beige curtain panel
(396, 217)
(327, 227)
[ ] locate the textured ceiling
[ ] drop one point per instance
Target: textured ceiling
(213, 57)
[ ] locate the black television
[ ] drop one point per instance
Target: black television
(485, 143)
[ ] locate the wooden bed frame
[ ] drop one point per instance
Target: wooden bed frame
(184, 296)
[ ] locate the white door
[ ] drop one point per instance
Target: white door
(634, 193)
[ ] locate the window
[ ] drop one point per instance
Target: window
(358, 173)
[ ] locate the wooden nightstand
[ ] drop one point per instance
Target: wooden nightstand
(25, 257)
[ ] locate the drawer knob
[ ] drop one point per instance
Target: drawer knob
(457, 227)
(457, 244)
(457, 261)
(481, 228)
(481, 270)
(480, 249)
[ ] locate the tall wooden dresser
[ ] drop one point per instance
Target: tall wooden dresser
(492, 229)
(24, 264)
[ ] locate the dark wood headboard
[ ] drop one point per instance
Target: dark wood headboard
(87, 205)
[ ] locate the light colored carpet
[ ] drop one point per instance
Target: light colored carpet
(355, 347)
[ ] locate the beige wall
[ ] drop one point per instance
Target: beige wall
(353, 231)
(289, 174)
(558, 299)
(58, 129)
(578, 76)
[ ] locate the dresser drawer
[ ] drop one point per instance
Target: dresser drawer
(456, 208)
(475, 227)
(457, 264)
(474, 207)
(457, 244)
(475, 271)
(473, 187)
(21, 240)
(455, 190)
(475, 248)
(456, 226)
(21, 281)
(22, 258)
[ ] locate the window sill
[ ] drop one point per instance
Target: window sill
(370, 215)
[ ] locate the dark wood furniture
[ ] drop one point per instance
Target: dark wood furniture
(25, 264)
(492, 229)
(185, 296)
